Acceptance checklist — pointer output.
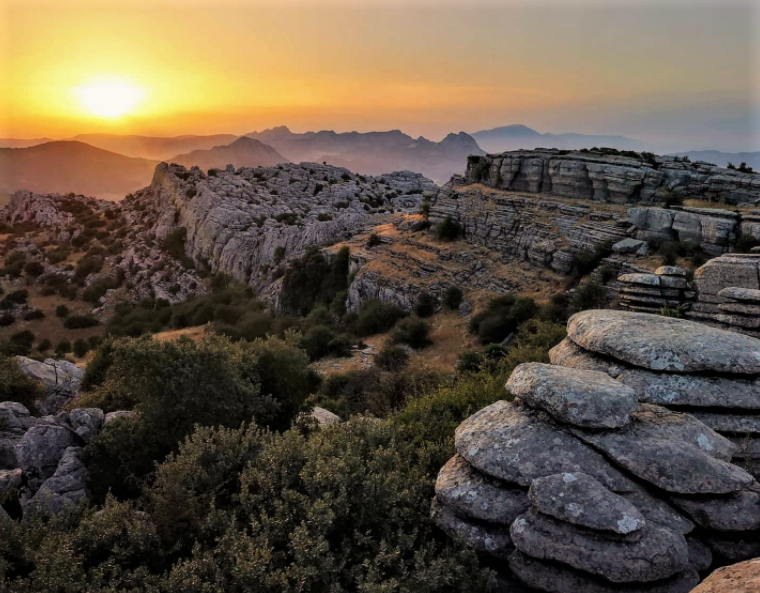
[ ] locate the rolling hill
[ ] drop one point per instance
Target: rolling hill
(154, 147)
(243, 152)
(518, 136)
(66, 166)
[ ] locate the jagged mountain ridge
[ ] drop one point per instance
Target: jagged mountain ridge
(243, 152)
(373, 153)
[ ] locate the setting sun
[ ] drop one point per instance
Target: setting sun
(110, 98)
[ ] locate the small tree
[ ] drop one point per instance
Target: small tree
(448, 229)
(425, 304)
(452, 298)
(81, 347)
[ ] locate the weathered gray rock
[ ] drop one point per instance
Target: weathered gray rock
(469, 493)
(111, 416)
(582, 398)
(67, 486)
(747, 447)
(42, 447)
(734, 547)
(655, 510)
(631, 246)
(670, 271)
(666, 389)
(554, 577)
(700, 556)
(664, 343)
(739, 511)
(745, 295)
(86, 422)
(516, 444)
(9, 480)
(657, 553)
(579, 499)
(491, 539)
(732, 423)
(324, 417)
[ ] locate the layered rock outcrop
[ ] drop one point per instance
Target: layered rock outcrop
(577, 486)
(40, 457)
(611, 178)
(546, 232)
(665, 289)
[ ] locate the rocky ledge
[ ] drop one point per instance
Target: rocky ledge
(611, 178)
(577, 486)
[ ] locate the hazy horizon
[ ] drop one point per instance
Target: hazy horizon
(679, 76)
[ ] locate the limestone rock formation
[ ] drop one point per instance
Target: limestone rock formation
(61, 379)
(611, 178)
(650, 293)
(723, 397)
(641, 505)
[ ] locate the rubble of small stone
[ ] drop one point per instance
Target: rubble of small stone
(620, 179)
(41, 457)
(592, 479)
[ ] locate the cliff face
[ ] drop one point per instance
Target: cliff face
(608, 178)
(544, 231)
(246, 222)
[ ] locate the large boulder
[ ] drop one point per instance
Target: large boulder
(42, 447)
(581, 398)
(67, 486)
(743, 577)
(664, 343)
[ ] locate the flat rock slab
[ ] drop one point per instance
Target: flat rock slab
(734, 423)
(471, 494)
(579, 397)
(670, 271)
(745, 295)
(514, 443)
(493, 540)
(658, 554)
(672, 456)
(557, 578)
(665, 389)
(746, 447)
(580, 499)
(734, 512)
(739, 578)
(655, 510)
(663, 343)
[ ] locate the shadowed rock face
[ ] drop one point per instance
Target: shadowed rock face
(618, 179)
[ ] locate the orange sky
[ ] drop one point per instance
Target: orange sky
(639, 69)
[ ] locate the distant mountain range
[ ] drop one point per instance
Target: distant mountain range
(374, 153)
(518, 136)
(66, 166)
(22, 142)
(722, 159)
(154, 147)
(243, 152)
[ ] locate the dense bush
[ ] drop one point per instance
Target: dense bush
(376, 317)
(7, 319)
(310, 281)
(448, 229)
(585, 261)
(425, 304)
(452, 298)
(392, 358)
(589, 295)
(63, 347)
(413, 332)
(502, 317)
(321, 341)
(34, 268)
(19, 297)
(80, 347)
(16, 386)
(80, 322)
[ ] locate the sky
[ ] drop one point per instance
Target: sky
(678, 74)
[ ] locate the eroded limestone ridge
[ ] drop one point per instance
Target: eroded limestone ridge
(586, 482)
(618, 179)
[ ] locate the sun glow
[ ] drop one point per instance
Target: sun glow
(110, 98)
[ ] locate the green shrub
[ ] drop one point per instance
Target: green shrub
(448, 229)
(377, 317)
(7, 319)
(44, 345)
(413, 332)
(16, 386)
(585, 261)
(425, 304)
(373, 240)
(63, 347)
(316, 342)
(452, 297)
(34, 315)
(502, 317)
(19, 297)
(590, 295)
(34, 268)
(81, 347)
(469, 361)
(392, 358)
(310, 281)
(80, 322)
(88, 265)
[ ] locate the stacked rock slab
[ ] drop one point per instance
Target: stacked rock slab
(665, 289)
(578, 486)
(740, 307)
(711, 374)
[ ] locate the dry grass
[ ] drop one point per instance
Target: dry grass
(694, 203)
(194, 333)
